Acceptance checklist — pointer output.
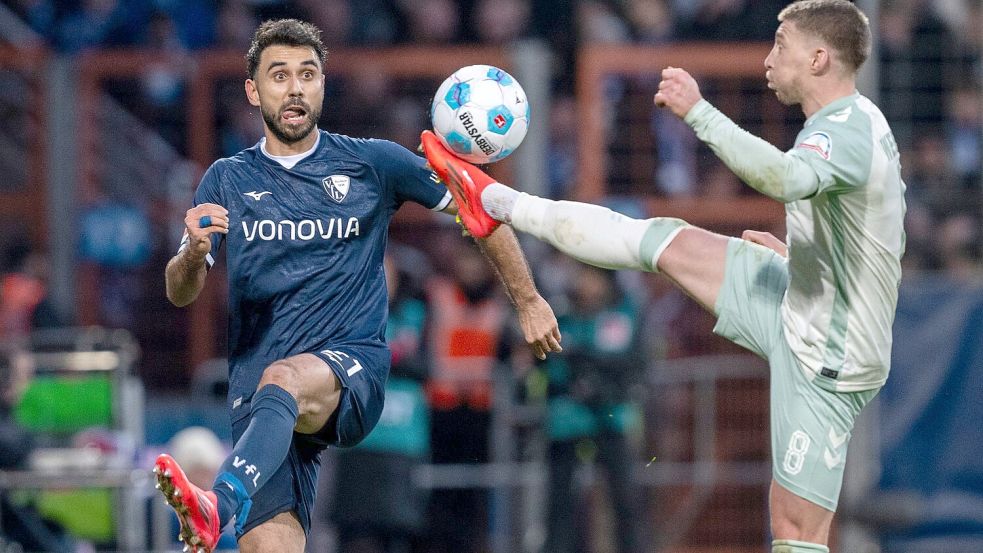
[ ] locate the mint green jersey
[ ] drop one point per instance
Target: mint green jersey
(845, 247)
(844, 201)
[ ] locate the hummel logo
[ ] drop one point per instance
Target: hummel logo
(836, 441)
(257, 195)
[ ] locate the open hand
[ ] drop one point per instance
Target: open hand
(767, 240)
(539, 327)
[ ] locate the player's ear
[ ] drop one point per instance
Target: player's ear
(251, 92)
(820, 61)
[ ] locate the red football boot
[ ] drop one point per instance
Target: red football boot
(465, 182)
(197, 509)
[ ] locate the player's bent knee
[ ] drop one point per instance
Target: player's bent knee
(285, 374)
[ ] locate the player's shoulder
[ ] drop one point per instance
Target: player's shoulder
(844, 123)
(850, 114)
(368, 149)
(236, 161)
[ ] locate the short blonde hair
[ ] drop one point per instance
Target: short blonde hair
(839, 23)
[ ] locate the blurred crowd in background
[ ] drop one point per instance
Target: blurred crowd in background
(451, 327)
(929, 54)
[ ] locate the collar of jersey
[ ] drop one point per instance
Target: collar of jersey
(835, 105)
(291, 161)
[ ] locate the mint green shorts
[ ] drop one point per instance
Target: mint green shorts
(810, 426)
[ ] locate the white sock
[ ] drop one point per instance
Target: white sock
(595, 235)
(498, 201)
(793, 546)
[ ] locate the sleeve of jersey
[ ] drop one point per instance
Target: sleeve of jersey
(410, 178)
(209, 191)
(782, 176)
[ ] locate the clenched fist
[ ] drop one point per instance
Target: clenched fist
(678, 91)
(200, 222)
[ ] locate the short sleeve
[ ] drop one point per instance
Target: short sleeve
(408, 176)
(838, 147)
(209, 191)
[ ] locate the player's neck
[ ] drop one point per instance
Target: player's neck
(826, 94)
(275, 147)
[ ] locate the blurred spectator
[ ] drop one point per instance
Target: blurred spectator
(361, 105)
(598, 21)
(676, 147)
(468, 314)
(501, 22)
(335, 18)
(163, 82)
(562, 163)
(116, 237)
(389, 515)
(21, 527)
(24, 302)
(728, 19)
(591, 413)
(959, 246)
(235, 25)
(16, 372)
(97, 23)
(242, 127)
(964, 131)
(430, 22)
(650, 20)
(915, 46)
(194, 21)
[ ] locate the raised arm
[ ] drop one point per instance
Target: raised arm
(184, 276)
(762, 166)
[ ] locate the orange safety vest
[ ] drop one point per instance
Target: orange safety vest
(464, 342)
(20, 296)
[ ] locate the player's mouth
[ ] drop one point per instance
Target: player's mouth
(294, 115)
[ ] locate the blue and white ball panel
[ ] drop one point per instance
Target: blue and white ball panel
(499, 120)
(458, 142)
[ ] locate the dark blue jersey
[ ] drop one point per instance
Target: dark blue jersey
(305, 246)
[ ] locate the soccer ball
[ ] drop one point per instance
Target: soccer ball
(480, 113)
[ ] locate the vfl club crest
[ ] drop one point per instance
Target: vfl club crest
(336, 186)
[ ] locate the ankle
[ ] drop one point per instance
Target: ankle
(498, 201)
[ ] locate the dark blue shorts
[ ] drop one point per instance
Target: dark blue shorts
(362, 372)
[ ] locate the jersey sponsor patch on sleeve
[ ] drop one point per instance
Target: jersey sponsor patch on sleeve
(818, 142)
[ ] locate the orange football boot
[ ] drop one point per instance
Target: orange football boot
(196, 508)
(465, 182)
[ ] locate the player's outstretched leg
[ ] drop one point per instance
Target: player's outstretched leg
(590, 233)
(195, 507)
